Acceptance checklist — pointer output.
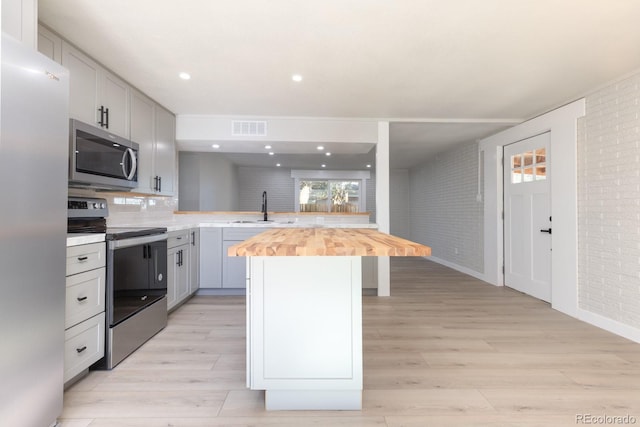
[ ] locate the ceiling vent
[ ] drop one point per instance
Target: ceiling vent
(248, 128)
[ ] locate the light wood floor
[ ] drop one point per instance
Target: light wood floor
(444, 350)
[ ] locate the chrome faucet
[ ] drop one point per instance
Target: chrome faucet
(264, 205)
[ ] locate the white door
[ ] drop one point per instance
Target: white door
(527, 217)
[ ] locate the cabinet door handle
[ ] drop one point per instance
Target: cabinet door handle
(193, 238)
(83, 258)
(548, 230)
(101, 121)
(80, 299)
(160, 184)
(81, 349)
(107, 114)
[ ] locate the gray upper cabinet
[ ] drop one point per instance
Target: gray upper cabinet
(102, 99)
(49, 44)
(153, 128)
(114, 95)
(142, 132)
(96, 96)
(19, 20)
(165, 150)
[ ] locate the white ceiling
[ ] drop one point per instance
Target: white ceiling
(447, 71)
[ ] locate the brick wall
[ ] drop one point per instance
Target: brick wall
(444, 212)
(277, 182)
(609, 203)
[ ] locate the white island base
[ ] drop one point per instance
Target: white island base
(304, 331)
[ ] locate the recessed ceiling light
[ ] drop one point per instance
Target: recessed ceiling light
(267, 147)
(296, 77)
(320, 147)
(278, 164)
(184, 76)
(327, 154)
(324, 166)
(271, 153)
(215, 146)
(368, 166)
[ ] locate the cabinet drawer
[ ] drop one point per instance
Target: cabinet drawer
(85, 257)
(178, 238)
(241, 233)
(83, 346)
(84, 296)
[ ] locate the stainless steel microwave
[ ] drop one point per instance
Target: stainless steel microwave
(99, 159)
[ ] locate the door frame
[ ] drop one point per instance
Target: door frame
(506, 179)
(562, 125)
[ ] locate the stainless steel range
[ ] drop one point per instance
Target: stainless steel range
(136, 285)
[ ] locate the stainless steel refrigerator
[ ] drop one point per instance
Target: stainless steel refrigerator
(33, 194)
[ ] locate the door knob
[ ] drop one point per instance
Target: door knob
(548, 230)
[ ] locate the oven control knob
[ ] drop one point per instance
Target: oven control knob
(160, 277)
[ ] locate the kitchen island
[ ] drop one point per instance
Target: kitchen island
(304, 313)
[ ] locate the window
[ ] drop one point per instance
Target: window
(329, 196)
(529, 166)
(330, 191)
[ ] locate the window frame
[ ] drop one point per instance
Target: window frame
(324, 175)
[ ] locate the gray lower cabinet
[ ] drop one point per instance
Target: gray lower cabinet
(178, 267)
(217, 270)
(210, 258)
(84, 308)
(234, 268)
(194, 261)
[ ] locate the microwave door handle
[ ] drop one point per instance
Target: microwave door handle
(134, 164)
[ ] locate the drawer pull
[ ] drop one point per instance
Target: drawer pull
(179, 238)
(81, 299)
(83, 258)
(81, 349)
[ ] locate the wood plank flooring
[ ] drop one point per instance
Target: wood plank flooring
(444, 350)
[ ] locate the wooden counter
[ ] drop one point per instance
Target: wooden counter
(327, 242)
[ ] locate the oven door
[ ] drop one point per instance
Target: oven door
(136, 277)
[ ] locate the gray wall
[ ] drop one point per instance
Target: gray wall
(207, 182)
(277, 182)
(371, 197)
(444, 212)
(399, 202)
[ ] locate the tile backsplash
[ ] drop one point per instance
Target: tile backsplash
(127, 208)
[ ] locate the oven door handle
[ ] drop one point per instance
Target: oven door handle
(135, 241)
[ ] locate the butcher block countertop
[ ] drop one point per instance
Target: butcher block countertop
(327, 242)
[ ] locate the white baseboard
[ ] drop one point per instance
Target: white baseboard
(610, 325)
(459, 268)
